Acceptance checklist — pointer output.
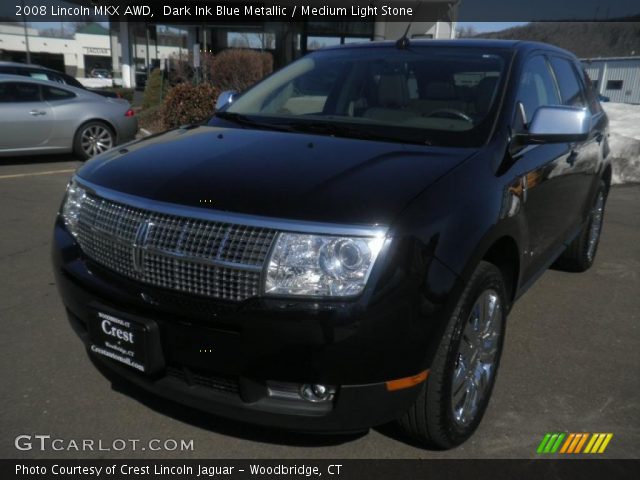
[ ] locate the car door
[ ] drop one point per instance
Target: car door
(542, 170)
(585, 156)
(65, 110)
(25, 119)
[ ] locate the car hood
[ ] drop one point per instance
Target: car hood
(275, 174)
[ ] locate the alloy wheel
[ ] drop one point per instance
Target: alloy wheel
(96, 139)
(476, 359)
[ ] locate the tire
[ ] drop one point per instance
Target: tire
(581, 252)
(435, 419)
(93, 138)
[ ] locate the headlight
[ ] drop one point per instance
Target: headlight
(321, 265)
(72, 204)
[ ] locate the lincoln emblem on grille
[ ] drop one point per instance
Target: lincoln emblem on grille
(139, 244)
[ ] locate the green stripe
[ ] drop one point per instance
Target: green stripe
(558, 442)
(547, 448)
(543, 443)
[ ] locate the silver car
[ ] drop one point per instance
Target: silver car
(38, 116)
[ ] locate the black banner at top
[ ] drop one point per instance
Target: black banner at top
(233, 11)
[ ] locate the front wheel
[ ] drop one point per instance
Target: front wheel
(93, 138)
(453, 400)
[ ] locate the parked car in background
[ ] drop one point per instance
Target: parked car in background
(43, 73)
(39, 116)
(372, 213)
(100, 73)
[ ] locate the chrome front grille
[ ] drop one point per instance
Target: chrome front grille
(201, 257)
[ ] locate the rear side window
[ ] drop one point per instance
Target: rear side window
(568, 83)
(38, 75)
(69, 80)
(53, 94)
(52, 77)
(536, 88)
(14, 92)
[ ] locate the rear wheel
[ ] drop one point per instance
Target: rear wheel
(580, 254)
(93, 138)
(455, 396)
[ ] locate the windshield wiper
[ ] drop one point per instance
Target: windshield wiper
(334, 129)
(342, 130)
(244, 120)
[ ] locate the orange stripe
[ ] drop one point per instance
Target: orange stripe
(574, 443)
(407, 382)
(567, 442)
(584, 439)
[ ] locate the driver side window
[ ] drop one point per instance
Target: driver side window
(536, 87)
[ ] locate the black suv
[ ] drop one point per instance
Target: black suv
(339, 246)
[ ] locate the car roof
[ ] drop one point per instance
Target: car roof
(23, 79)
(27, 65)
(516, 45)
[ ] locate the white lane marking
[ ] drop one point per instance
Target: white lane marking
(35, 174)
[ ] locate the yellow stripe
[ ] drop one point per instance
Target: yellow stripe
(594, 437)
(581, 443)
(35, 174)
(574, 443)
(596, 445)
(567, 442)
(605, 443)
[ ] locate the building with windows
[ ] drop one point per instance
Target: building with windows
(76, 54)
(131, 49)
(615, 77)
(286, 41)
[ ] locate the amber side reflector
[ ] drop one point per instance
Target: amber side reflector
(407, 382)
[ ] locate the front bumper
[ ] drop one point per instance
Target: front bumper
(354, 346)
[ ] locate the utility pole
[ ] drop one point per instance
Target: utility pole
(26, 36)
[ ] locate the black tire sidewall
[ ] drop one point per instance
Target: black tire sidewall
(486, 277)
(586, 261)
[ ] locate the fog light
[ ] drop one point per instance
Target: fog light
(317, 392)
(302, 393)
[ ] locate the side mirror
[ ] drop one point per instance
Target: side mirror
(557, 124)
(225, 98)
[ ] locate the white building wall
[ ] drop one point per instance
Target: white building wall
(616, 69)
(74, 49)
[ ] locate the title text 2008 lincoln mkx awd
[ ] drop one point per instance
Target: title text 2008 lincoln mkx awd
(339, 246)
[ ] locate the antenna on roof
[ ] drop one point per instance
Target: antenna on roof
(403, 42)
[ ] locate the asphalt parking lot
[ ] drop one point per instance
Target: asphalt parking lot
(570, 364)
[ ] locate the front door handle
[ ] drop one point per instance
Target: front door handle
(35, 113)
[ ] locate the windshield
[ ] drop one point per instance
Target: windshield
(424, 94)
